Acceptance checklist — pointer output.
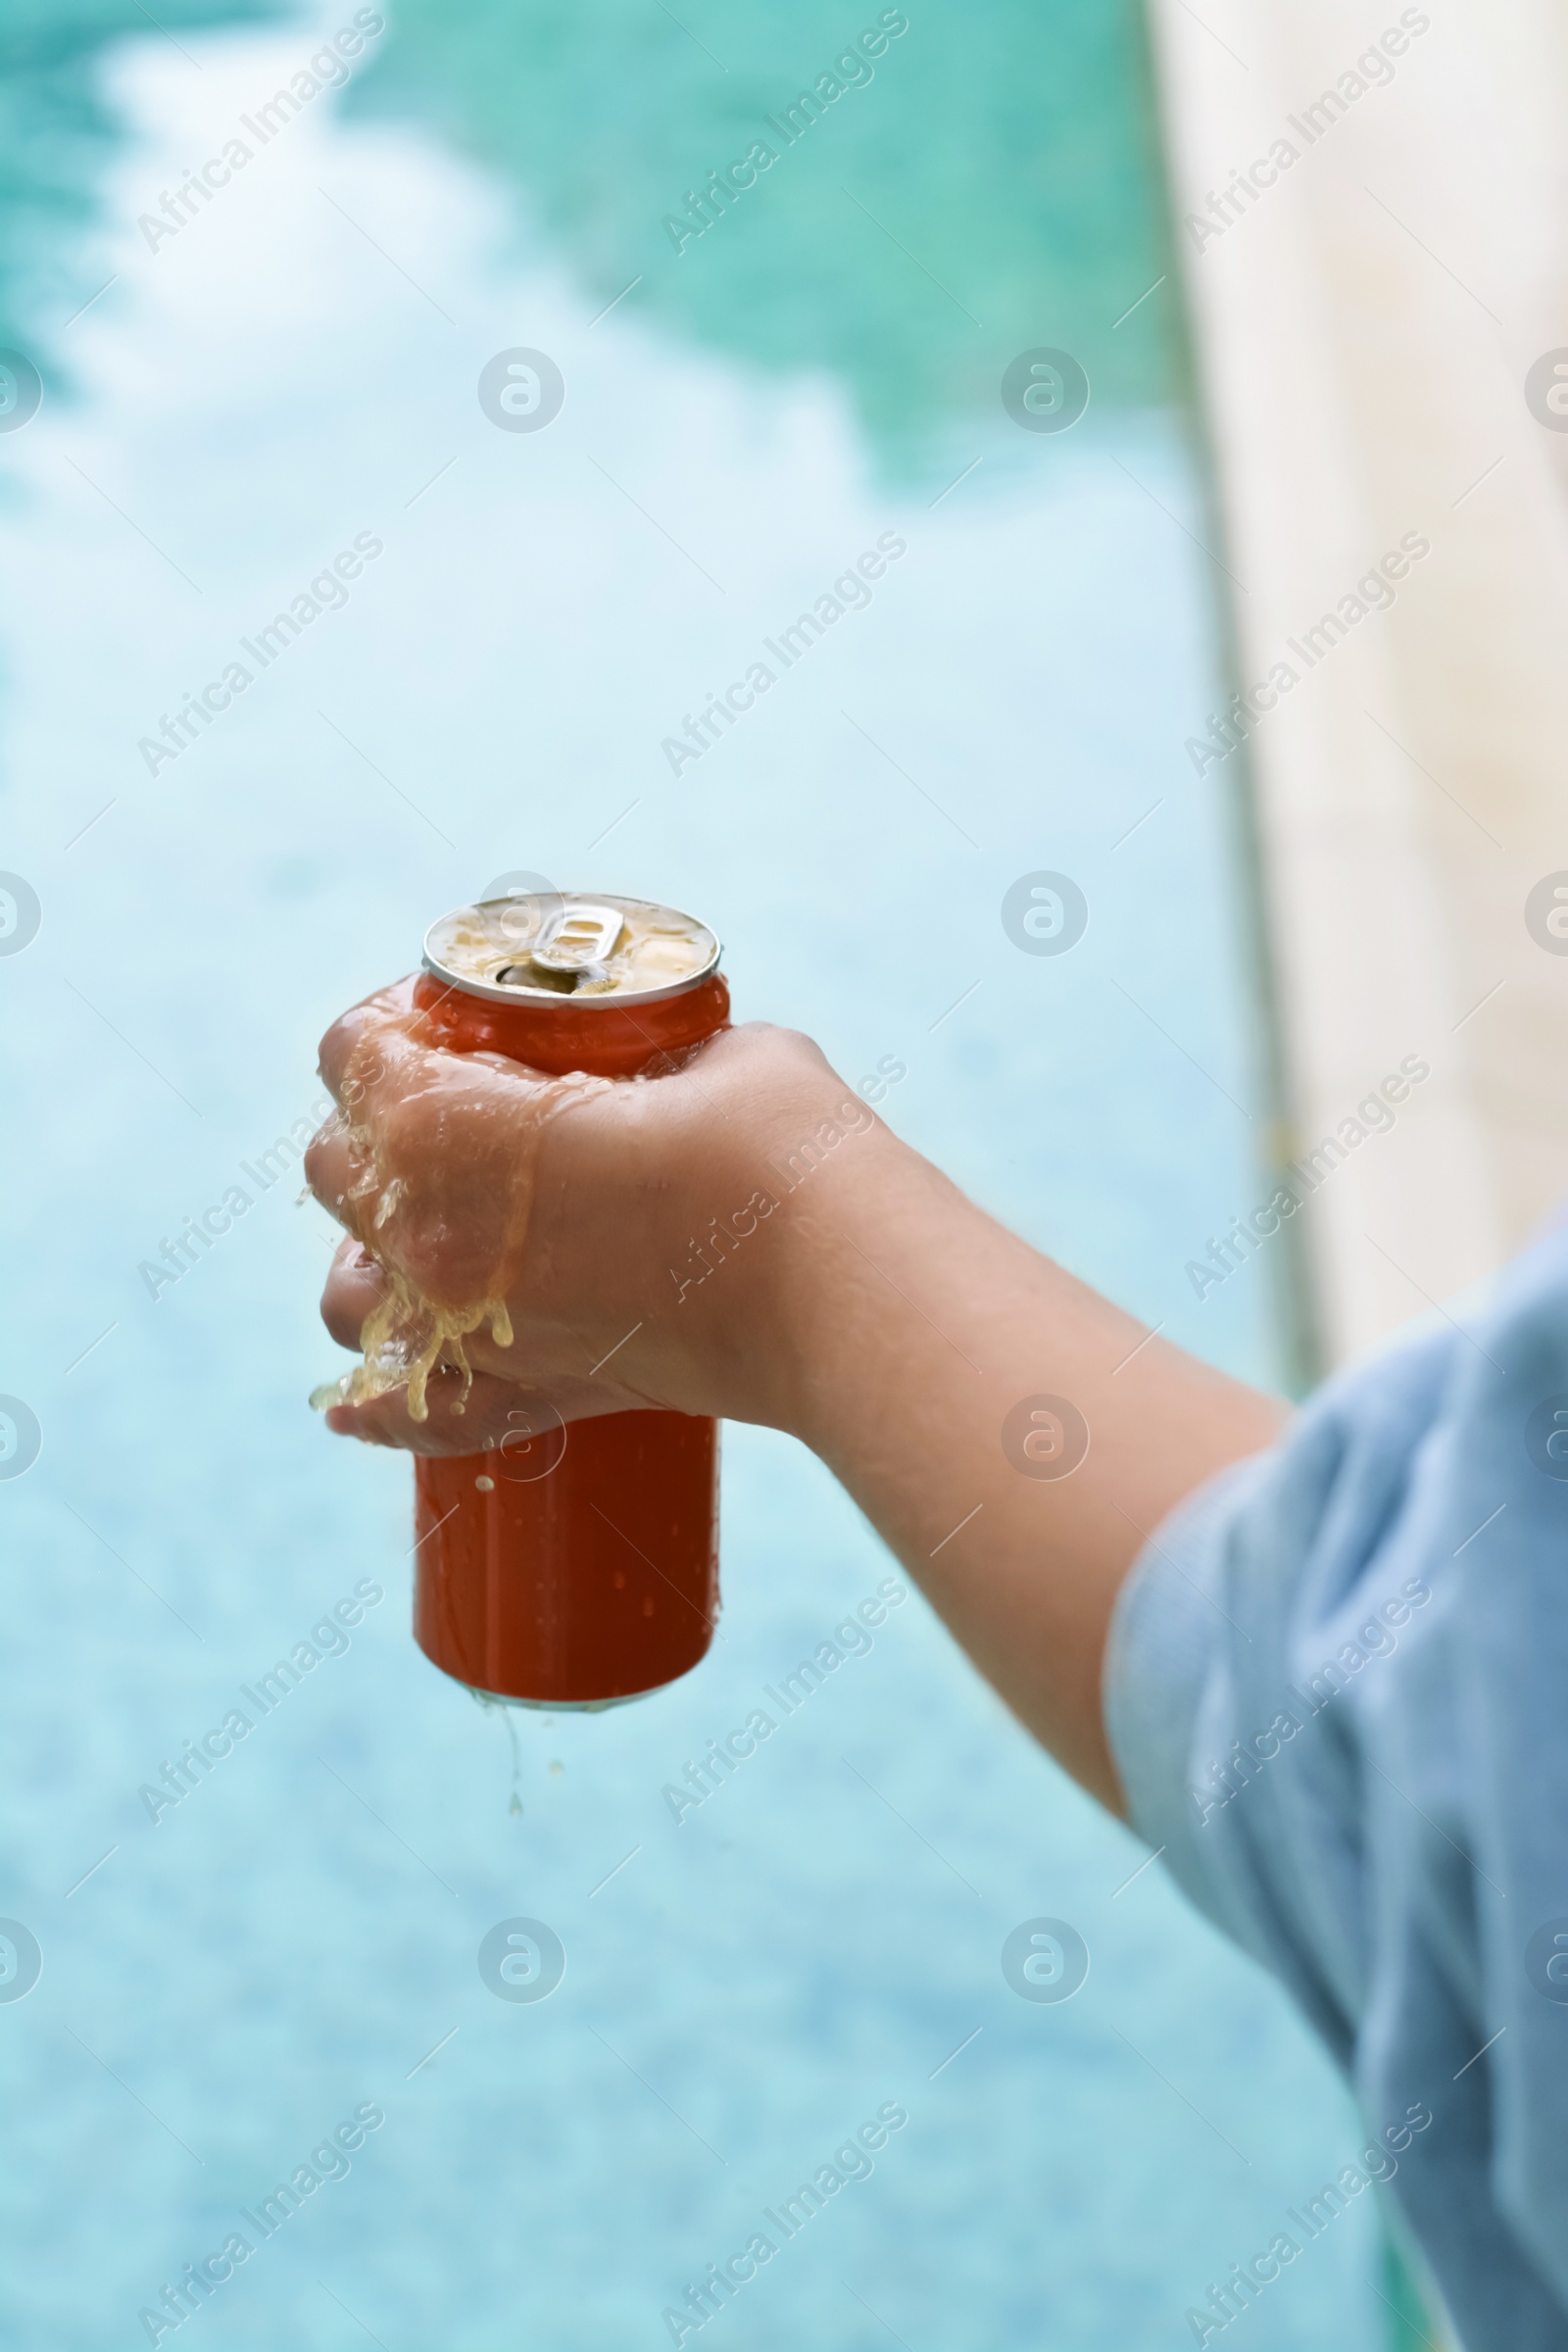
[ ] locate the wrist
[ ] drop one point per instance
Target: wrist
(827, 1207)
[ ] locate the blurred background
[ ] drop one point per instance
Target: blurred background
(263, 276)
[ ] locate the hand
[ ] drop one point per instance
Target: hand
(594, 1247)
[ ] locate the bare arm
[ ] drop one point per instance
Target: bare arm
(921, 1332)
(947, 1374)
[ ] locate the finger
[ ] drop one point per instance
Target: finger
(341, 1172)
(357, 1285)
(355, 1288)
(355, 1030)
(332, 1168)
(462, 1417)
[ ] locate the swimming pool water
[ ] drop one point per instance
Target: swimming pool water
(297, 1939)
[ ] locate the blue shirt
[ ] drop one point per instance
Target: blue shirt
(1337, 1693)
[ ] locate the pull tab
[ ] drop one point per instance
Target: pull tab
(579, 935)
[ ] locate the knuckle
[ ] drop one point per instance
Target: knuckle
(344, 1320)
(334, 1041)
(401, 1128)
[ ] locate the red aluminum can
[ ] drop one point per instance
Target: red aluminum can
(576, 1565)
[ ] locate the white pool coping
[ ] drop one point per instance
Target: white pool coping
(1363, 329)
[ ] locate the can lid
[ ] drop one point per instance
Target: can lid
(536, 946)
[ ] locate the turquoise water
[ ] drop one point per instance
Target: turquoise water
(293, 368)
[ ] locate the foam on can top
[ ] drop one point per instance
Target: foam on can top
(544, 944)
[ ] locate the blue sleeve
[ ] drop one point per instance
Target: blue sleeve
(1337, 1693)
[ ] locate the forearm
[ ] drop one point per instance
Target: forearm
(910, 1325)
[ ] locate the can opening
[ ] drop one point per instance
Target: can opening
(597, 948)
(529, 975)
